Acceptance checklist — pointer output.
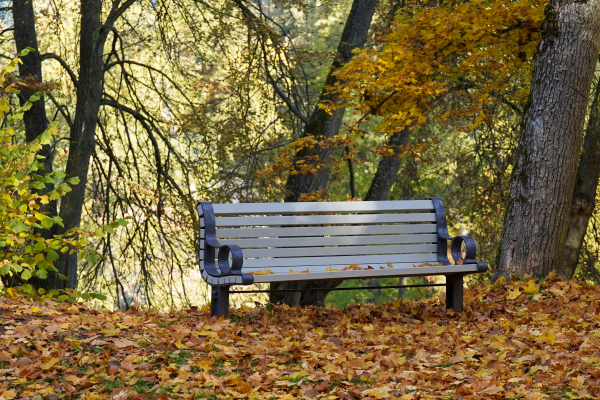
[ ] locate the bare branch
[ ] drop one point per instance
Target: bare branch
(64, 64)
(287, 101)
(115, 13)
(123, 62)
(61, 109)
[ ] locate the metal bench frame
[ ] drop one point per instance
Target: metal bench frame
(221, 275)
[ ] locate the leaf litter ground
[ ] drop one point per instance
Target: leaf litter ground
(519, 339)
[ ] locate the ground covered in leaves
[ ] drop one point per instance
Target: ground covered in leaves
(518, 339)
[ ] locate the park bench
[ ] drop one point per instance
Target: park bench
(247, 243)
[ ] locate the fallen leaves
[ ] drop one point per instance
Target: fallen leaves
(263, 272)
(511, 340)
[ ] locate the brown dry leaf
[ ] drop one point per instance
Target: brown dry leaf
(122, 343)
(499, 346)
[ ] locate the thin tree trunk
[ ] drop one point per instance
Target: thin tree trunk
(586, 185)
(351, 179)
(320, 122)
(537, 217)
(382, 182)
(81, 144)
(402, 290)
(35, 119)
(323, 124)
(387, 169)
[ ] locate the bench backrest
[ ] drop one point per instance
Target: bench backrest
(315, 236)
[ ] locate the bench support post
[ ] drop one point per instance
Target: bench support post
(454, 291)
(219, 303)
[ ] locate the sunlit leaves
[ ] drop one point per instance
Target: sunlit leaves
(494, 348)
(478, 49)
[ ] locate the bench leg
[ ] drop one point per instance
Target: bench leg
(219, 303)
(454, 291)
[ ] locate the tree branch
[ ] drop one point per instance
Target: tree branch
(64, 64)
(60, 108)
(283, 97)
(115, 13)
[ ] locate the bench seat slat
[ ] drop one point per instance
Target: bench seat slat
(324, 231)
(331, 241)
(267, 263)
(324, 219)
(322, 207)
(339, 251)
(323, 268)
(366, 274)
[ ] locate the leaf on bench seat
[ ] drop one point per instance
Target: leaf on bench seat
(300, 272)
(426, 264)
(263, 272)
(351, 267)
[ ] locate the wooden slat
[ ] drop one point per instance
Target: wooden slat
(338, 251)
(324, 231)
(322, 207)
(332, 241)
(325, 219)
(365, 274)
(323, 268)
(267, 263)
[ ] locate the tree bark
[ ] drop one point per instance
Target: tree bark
(25, 36)
(328, 125)
(586, 185)
(387, 169)
(537, 216)
(36, 121)
(320, 122)
(81, 142)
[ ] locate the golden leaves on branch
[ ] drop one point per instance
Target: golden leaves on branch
(477, 50)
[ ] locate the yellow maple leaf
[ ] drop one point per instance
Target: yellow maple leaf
(513, 294)
(111, 332)
(531, 287)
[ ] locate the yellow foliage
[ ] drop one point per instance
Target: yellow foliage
(478, 49)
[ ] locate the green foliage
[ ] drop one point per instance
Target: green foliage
(24, 252)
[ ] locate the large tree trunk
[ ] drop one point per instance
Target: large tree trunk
(320, 122)
(81, 143)
(323, 124)
(543, 180)
(586, 185)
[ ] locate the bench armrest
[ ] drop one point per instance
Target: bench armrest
(455, 241)
(208, 245)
